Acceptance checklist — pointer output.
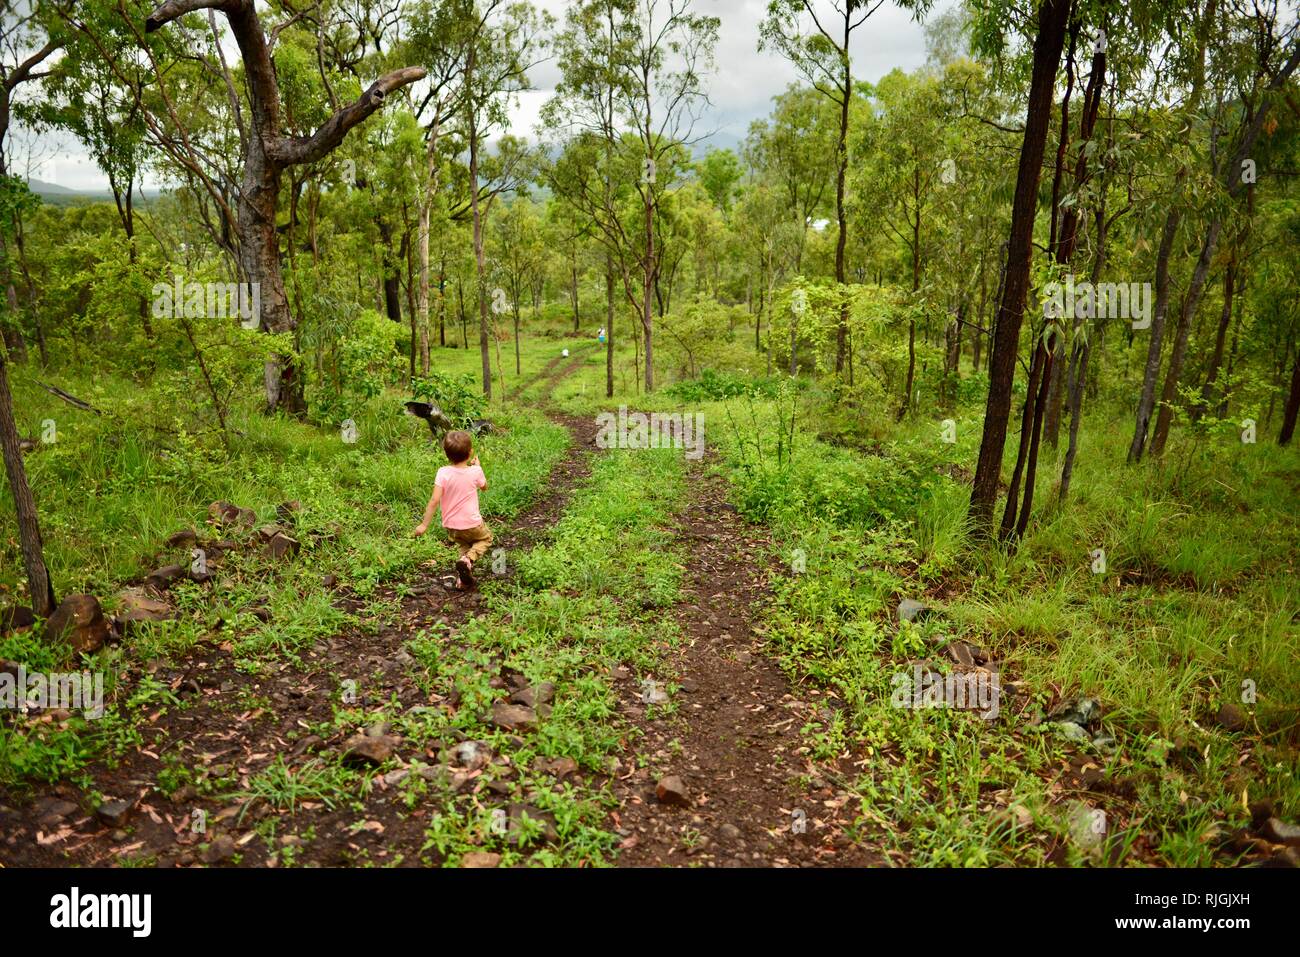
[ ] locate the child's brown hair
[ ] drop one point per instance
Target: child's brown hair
(458, 445)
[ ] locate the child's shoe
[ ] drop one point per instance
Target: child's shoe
(464, 569)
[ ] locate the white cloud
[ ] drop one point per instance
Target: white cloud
(740, 89)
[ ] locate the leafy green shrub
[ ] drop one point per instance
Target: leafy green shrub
(458, 396)
(712, 386)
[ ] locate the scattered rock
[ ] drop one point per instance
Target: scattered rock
(472, 754)
(962, 654)
(480, 859)
(221, 849)
(536, 695)
(184, 538)
(729, 831)
(268, 532)
(1279, 832)
(79, 620)
(671, 790)
(560, 767)
(366, 749)
(161, 579)
(512, 717)
(911, 610)
(282, 545)
(1260, 812)
(227, 513)
(515, 829)
(113, 813)
(653, 693)
(285, 511)
(52, 810)
(137, 605)
(1105, 743)
(258, 611)
(1082, 712)
(1071, 732)
(17, 618)
(1231, 718)
(1015, 816)
(1286, 857)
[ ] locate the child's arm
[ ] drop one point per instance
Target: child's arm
(475, 461)
(432, 507)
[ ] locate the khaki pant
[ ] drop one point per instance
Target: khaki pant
(472, 542)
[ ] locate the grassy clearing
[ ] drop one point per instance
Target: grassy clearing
(110, 492)
(580, 605)
(1189, 616)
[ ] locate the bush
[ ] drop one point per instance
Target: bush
(712, 386)
(458, 396)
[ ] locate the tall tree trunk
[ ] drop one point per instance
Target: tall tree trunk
(259, 262)
(648, 288)
(1292, 404)
(1031, 471)
(577, 312)
(1011, 511)
(1181, 334)
(1151, 372)
(392, 289)
(916, 285)
(420, 323)
(518, 364)
(609, 325)
(1220, 341)
(1081, 350)
(29, 527)
(841, 217)
(479, 264)
(1048, 42)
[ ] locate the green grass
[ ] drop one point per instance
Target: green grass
(109, 493)
(1189, 614)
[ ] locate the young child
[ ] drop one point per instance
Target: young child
(455, 491)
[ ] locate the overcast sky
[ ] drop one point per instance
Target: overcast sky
(741, 87)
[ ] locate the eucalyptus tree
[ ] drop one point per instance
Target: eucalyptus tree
(796, 148)
(28, 39)
(1047, 36)
(267, 150)
(814, 35)
(633, 90)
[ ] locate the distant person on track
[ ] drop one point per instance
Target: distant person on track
(455, 492)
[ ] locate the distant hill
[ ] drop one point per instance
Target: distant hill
(62, 195)
(42, 188)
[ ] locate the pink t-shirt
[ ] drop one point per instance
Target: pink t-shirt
(460, 495)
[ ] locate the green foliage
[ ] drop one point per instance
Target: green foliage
(457, 396)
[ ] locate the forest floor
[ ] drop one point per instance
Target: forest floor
(320, 760)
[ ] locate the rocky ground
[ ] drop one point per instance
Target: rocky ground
(719, 780)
